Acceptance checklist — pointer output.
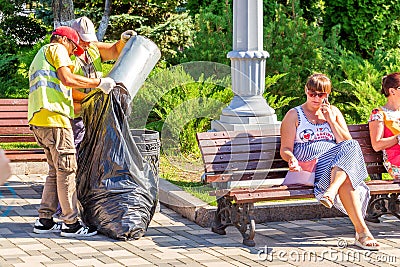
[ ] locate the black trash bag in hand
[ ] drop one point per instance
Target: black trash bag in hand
(116, 186)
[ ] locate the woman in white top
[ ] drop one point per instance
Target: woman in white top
(316, 132)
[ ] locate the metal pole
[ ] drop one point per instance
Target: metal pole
(248, 110)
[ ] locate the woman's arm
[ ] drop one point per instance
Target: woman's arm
(338, 124)
(379, 142)
(288, 135)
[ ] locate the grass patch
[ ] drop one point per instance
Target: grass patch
(16, 146)
(188, 180)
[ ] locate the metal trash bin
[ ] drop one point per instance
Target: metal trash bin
(148, 142)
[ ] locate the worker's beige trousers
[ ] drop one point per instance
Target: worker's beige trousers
(60, 186)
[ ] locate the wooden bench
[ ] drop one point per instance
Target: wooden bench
(254, 156)
(14, 128)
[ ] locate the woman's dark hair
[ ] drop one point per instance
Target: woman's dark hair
(319, 82)
(390, 81)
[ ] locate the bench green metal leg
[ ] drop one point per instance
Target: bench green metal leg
(383, 204)
(238, 215)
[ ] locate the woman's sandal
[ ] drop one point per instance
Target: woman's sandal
(362, 242)
(327, 200)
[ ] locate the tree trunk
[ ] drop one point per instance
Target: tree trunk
(101, 31)
(63, 10)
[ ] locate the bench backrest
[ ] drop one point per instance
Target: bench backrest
(253, 155)
(13, 121)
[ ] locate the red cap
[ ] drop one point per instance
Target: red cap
(70, 34)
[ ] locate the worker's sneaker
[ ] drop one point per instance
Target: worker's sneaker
(43, 226)
(76, 230)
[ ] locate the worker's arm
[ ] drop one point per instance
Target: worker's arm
(111, 51)
(76, 81)
(77, 95)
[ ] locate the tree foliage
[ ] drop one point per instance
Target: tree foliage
(365, 25)
(212, 38)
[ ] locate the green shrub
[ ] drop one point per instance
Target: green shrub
(366, 25)
(295, 48)
(26, 30)
(175, 104)
(172, 36)
(213, 35)
(181, 101)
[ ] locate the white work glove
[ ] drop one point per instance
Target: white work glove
(106, 84)
(126, 35)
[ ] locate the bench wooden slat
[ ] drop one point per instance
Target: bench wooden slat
(273, 195)
(13, 115)
(231, 135)
(15, 122)
(378, 169)
(239, 141)
(14, 128)
(34, 154)
(360, 135)
(17, 109)
(277, 173)
(246, 195)
(17, 138)
(220, 158)
(14, 102)
(17, 130)
(243, 165)
(383, 187)
(240, 149)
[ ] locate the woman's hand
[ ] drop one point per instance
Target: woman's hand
(327, 111)
(294, 165)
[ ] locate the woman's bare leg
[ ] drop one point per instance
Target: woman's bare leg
(351, 203)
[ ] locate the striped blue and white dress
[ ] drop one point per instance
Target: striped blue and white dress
(318, 141)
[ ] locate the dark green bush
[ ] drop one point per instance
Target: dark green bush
(295, 48)
(366, 25)
(26, 30)
(212, 39)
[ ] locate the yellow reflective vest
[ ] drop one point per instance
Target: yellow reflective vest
(95, 57)
(46, 90)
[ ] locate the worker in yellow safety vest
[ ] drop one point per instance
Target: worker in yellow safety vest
(50, 109)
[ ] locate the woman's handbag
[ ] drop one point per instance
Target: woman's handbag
(304, 177)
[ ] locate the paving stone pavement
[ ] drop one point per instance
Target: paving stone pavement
(174, 241)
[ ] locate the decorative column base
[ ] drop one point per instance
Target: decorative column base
(248, 113)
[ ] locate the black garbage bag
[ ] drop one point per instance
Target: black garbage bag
(116, 186)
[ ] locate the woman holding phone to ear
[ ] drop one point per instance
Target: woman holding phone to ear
(315, 133)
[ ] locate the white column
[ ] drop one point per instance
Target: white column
(248, 110)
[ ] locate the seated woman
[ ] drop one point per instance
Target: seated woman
(384, 125)
(317, 132)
